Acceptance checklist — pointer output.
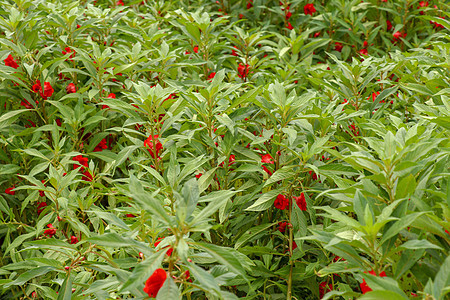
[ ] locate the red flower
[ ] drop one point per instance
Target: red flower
(288, 15)
(267, 159)
(282, 226)
(169, 252)
(354, 129)
(388, 25)
(243, 70)
(51, 231)
(27, 104)
(289, 26)
(267, 170)
(249, 4)
(87, 176)
(10, 191)
(324, 288)
(153, 149)
(48, 90)
(314, 175)
(364, 287)
(120, 3)
(437, 25)
(112, 96)
(71, 88)
(423, 4)
(363, 51)
(68, 50)
(155, 282)
(397, 35)
(281, 202)
(196, 49)
(101, 146)
(309, 9)
(233, 52)
(41, 206)
(36, 88)
(10, 62)
(73, 239)
(374, 96)
(82, 160)
(301, 201)
(41, 193)
(211, 75)
(338, 46)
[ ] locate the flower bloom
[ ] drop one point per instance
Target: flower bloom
(83, 162)
(281, 202)
(338, 46)
(324, 288)
(289, 26)
(267, 159)
(101, 146)
(51, 231)
(41, 206)
(267, 170)
(211, 75)
(243, 70)
(309, 9)
(282, 226)
(120, 3)
(10, 62)
(364, 287)
(41, 193)
(169, 252)
(73, 239)
(71, 88)
(397, 36)
(68, 50)
(47, 92)
(155, 282)
(10, 191)
(151, 147)
(301, 201)
(363, 51)
(388, 25)
(27, 104)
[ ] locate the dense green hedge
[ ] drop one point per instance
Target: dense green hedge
(222, 150)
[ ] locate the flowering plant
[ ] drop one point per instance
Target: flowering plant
(254, 149)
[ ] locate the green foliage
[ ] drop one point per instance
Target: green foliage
(249, 149)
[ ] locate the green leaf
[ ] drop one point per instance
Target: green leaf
(169, 290)
(225, 256)
(384, 283)
(406, 187)
(419, 244)
(399, 225)
(385, 295)
(30, 274)
(285, 172)
(442, 280)
(148, 202)
(205, 279)
(143, 271)
(216, 200)
(65, 293)
(265, 201)
(249, 234)
(114, 240)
